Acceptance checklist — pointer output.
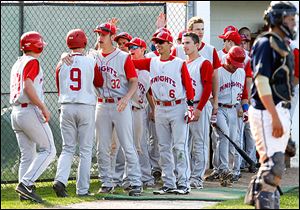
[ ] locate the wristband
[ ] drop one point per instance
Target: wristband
(245, 107)
(190, 102)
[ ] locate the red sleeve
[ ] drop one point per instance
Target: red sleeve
(57, 76)
(248, 70)
(98, 78)
(187, 82)
(143, 64)
(216, 60)
(245, 92)
(31, 70)
(296, 58)
(129, 69)
(206, 73)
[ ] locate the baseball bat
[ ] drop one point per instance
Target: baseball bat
(240, 151)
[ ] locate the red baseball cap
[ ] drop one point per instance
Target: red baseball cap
(124, 35)
(233, 36)
(244, 37)
(181, 33)
(137, 42)
(106, 28)
(160, 30)
(165, 36)
(229, 28)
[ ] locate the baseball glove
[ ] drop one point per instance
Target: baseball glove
(290, 149)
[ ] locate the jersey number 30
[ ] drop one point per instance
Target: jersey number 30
(75, 76)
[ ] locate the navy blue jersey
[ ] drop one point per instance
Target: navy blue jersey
(265, 61)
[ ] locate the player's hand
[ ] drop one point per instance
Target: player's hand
(122, 104)
(197, 114)
(46, 114)
(113, 21)
(161, 21)
(189, 114)
(277, 131)
(67, 59)
(240, 112)
(151, 116)
(245, 117)
(213, 120)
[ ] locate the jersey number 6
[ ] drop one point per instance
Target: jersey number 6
(75, 76)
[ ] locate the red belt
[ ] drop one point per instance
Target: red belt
(24, 105)
(168, 103)
(227, 105)
(109, 100)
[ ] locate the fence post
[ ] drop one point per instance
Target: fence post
(21, 22)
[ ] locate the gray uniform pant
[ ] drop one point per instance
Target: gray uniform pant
(248, 144)
(172, 133)
(107, 118)
(227, 121)
(35, 141)
(199, 143)
(76, 126)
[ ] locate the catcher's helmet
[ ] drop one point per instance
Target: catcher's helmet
(32, 41)
(236, 56)
(76, 38)
(274, 15)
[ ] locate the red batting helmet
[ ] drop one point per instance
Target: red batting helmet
(229, 28)
(137, 42)
(124, 35)
(160, 30)
(76, 38)
(236, 56)
(32, 41)
(180, 34)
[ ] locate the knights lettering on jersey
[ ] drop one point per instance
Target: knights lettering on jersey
(194, 70)
(231, 85)
(76, 81)
(166, 81)
(139, 98)
(17, 94)
(112, 68)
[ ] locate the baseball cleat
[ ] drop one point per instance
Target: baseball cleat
(28, 192)
(164, 190)
(60, 189)
(135, 191)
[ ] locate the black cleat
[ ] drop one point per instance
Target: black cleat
(106, 190)
(60, 189)
(28, 192)
(135, 191)
(157, 176)
(213, 176)
(164, 190)
(182, 190)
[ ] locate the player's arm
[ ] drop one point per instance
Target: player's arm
(215, 81)
(249, 78)
(57, 71)
(151, 104)
(187, 82)
(132, 84)
(31, 70)
(265, 94)
(296, 60)
(143, 63)
(206, 73)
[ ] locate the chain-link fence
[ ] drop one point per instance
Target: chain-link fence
(53, 20)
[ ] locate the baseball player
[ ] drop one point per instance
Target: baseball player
(273, 65)
(247, 32)
(179, 37)
(76, 89)
(232, 90)
(122, 39)
(114, 108)
(201, 72)
(171, 87)
(30, 116)
(227, 44)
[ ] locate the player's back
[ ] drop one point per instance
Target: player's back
(76, 81)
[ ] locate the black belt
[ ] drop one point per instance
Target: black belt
(227, 105)
(286, 105)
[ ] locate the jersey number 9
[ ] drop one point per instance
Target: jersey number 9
(75, 76)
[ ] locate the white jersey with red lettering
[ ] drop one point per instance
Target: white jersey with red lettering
(195, 73)
(231, 85)
(139, 99)
(166, 81)
(112, 68)
(17, 94)
(76, 81)
(221, 53)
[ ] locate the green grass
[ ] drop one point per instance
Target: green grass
(10, 199)
(289, 200)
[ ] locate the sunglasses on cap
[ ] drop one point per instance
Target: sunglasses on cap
(133, 47)
(159, 41)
